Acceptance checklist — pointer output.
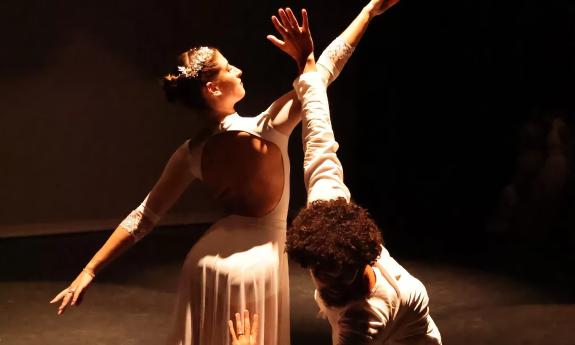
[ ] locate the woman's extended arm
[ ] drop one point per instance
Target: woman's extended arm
(174, 180)
(335, 56)
(285, 112)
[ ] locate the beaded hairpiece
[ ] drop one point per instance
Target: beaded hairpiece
(200, 56)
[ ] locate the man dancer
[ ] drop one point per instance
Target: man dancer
(367, 297)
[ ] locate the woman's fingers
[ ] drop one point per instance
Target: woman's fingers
(65, 302)
(72, 295)
(76, 296)
(384, 5)
(68, 297)
(59, 296)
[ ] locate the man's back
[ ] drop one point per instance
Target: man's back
(395, 312)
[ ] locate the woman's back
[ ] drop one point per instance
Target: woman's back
(244, 171)
(240, 261)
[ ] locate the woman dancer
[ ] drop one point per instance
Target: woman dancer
(240, 262)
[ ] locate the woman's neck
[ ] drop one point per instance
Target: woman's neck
(217, 117)
(218, 113)
(212, 119)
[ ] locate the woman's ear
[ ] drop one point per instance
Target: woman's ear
(213, 88)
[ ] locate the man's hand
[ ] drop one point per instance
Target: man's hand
(296, 40)
(246, 335)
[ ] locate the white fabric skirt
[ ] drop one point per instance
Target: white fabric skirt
(238, 264)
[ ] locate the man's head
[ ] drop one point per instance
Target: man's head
(336, 239)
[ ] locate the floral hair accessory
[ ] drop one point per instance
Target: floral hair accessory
(197, 58)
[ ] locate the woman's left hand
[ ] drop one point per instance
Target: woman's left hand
(72, 295)
(377, 7)
(297, 41)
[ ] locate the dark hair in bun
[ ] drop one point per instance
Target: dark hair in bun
(195, 67)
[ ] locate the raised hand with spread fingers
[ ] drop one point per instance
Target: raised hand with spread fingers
(296, 40)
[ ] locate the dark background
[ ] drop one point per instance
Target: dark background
(455, 124)
(455, 118)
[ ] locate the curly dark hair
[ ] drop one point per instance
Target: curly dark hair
(333, 232)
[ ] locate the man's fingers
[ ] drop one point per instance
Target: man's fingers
(255, 328)
(239, 323)
(278, 43)
(279, 27)
(304, 20)
(292, 19)
(247, 323)
(232, 331)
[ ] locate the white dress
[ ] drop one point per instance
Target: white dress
(239, 263)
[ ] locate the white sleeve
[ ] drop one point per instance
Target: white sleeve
(323, 173)
(333, 59)
(359, 325)
(140, 221)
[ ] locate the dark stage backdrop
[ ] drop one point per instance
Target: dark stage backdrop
(454, 117)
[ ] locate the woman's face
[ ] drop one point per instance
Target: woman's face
(228, 80)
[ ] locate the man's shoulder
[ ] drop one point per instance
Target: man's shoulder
(358, 310)
(360, 324)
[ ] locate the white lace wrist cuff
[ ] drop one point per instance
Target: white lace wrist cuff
(140, 222)
(334, 58)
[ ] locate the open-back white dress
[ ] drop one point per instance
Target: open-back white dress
(239, 263)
